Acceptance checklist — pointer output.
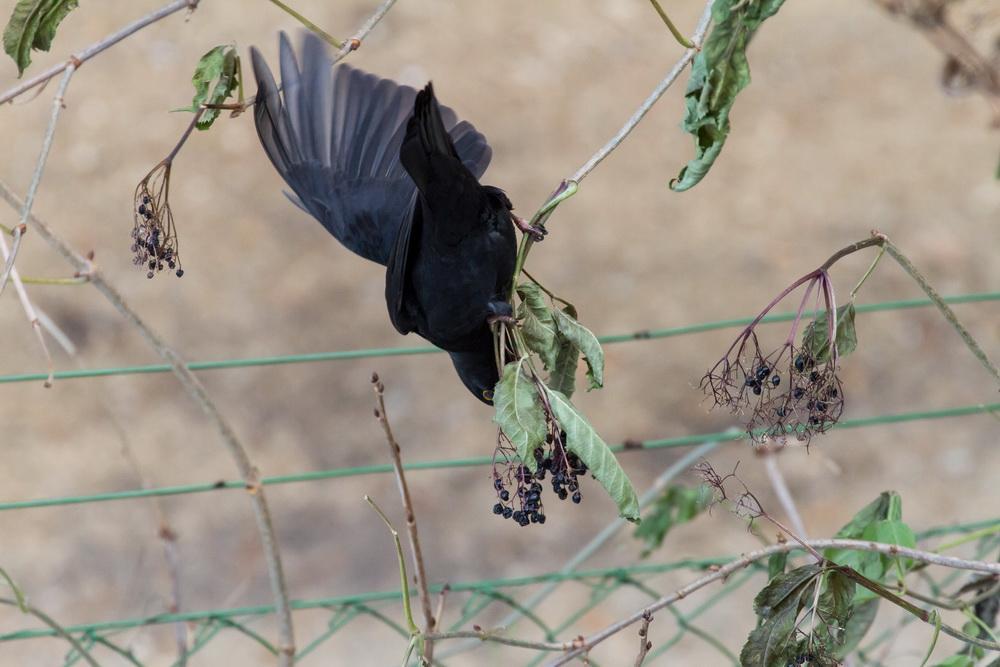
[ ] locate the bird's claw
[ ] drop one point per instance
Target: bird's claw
(536, 232)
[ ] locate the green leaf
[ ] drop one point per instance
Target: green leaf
(538, 324)
(857, 625)
(888, 506)
(220, 65)
(835, 601)
(957, 661)
(892, 531)
(776, 564)
(583, 440)
(720, 71)
(519, 412)
(562, 377)
(777, 605)
(816, 337)
(33, 25)
(586, 342)
(677, 505)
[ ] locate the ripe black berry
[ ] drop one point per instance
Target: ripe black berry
(498, 509)
(577, 497)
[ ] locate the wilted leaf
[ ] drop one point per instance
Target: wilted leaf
(777, 605)
(677, 505)
(220, 65)
(586, 342)
(836, 597)
(816, 337)
(858, 625)
(33, 25)
(562, 377)
(720, 71)
(537, 324)
(519, 413)
(583, 440)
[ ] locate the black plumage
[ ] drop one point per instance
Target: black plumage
(393, 176)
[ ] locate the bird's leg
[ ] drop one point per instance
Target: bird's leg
(537, 233)
(499, 310)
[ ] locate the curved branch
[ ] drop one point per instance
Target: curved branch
(736, 565)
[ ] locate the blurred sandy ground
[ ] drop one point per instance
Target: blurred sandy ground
(843, 130)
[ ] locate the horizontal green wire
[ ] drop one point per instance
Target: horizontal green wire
(460, 587)
(664, 443)
(648, 334)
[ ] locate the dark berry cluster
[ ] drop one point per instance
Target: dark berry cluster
(785, 392)
(154, 240)
(552, 460)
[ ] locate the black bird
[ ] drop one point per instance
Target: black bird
(393, 176)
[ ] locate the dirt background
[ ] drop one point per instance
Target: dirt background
(843, 130)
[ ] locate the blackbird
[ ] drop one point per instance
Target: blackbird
(394, 176)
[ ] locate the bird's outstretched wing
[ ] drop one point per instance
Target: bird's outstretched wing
(334, 134)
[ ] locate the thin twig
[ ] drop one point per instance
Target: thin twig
(945, 309)
(327, 37)
(86, 54)
(496, 638)
(781, 491)
(59, 630)
(675, 71)
(196, 391)
(411, 517)
(724, 571)
(570, 186)
(681, 39)
(644, 643)
(593, 546)
(36, 177)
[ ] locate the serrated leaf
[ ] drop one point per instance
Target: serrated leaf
(586, 342)
(783, 588)
(538, 324)
(583, 440)
(835, 601)
(816, 336)
(676, 505)
(519, 412)
(220, 65)
(33, 25)
(720, 71)
(857, 625)
(778, 604)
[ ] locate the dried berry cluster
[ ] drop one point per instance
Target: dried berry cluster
(154, 239)
(524, 505)
(784, 392)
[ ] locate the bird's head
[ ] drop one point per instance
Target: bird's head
(478, 372)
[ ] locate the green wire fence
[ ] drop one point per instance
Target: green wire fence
(345, 609)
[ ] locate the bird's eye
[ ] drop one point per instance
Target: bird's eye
(488, 394)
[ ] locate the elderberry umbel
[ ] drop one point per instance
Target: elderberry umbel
(792, 390)
(154, 238)
(519, 487)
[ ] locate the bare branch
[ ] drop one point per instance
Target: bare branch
(644, 643)
(411, 517)
(86, 54)
(196, 391)
(723, 572)
(770, 457)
